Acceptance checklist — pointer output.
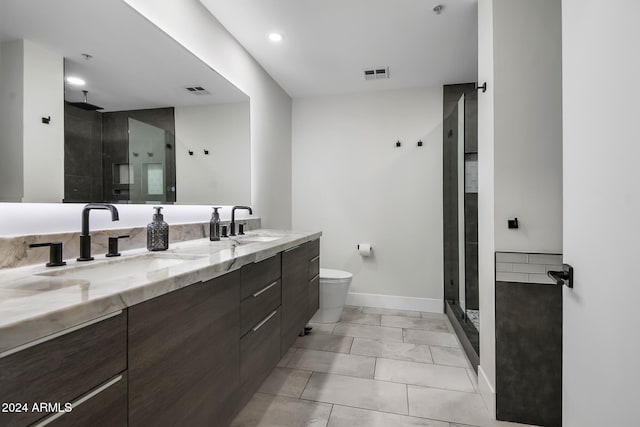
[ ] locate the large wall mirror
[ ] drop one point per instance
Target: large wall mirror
(151, 123)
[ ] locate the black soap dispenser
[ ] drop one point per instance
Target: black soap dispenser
(214, 225)
(158, 232)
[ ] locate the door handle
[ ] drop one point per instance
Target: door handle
(564, 277)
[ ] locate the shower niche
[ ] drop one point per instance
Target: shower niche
(460, 214)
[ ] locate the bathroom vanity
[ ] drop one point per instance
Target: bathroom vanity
(183, 337)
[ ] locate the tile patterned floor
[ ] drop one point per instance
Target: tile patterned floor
(375, 368)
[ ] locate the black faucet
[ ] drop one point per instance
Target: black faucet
(233, 218)
(85, 237)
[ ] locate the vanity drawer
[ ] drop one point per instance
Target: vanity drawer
(314, 295)
(258, 305)
(260, 351)
(314, 267)
(63, 368)
(314, 248)
(257, 275)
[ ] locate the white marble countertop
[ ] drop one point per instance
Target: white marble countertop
(37, 301)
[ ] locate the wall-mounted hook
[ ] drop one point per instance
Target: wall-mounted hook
(206, 152)
(150, 153)
(135, 154)
(483, 87)
(398, 144)
(190, 153)
(46, 120)
(420, 143)
(512, 223)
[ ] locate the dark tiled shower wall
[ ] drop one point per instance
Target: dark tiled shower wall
(82, 155)
(528, 345)
(95, 141)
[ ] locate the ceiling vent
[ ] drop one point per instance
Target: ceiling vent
(376, 73)
(197, 90)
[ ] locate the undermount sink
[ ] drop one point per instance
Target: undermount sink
(109, 269)
(256, 239)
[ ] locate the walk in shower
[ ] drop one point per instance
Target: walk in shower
(460, 214)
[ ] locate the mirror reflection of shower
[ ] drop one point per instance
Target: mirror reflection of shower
(146, 170)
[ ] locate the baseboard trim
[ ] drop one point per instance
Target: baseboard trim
(431, 305)
(487, 392)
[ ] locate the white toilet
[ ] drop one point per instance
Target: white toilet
(334, 287)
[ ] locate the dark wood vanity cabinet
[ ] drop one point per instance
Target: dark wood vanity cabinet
(78, 367)
(300, 292)
(194, 356)
(184, 355)
(260, 320)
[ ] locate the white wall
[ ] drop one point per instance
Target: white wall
(191, 24)
(528, 124)
(601, 350)
(11, 117)
(31, 152)
(43, 143)
(519, 147)
(486, 209)
(224, 175)
(351, 182)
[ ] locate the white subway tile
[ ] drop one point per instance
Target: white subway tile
(545, 259)
(511, 277)
(528, 268)
(552, 268)
(504, 266)
(541, 278)
(513, 257)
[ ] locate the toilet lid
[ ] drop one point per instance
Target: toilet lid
(327, 273)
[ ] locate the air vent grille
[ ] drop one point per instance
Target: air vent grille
(376, 73)
(197, 90)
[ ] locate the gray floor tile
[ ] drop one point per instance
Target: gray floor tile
(333, 363)
(265, 410)
(453, 406)
(287, 356)
(352, 309)
(449, 356)
(494, 423)
(358, 392)
(442, 339)
(335, 343)
(343, 416)
(391, 350)
(429, 315)
(322, 328)
(285, 382)
(390, 312)
(361, 318)
(423, 374)
(439, 325)
(368, 331)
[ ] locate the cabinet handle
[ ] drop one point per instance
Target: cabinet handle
(79, 401)
(265, 289)
(265, 320)
(314, 277)
(315, 258)
(293, 248)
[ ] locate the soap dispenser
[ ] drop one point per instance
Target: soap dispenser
(214, 225)
(158, 232)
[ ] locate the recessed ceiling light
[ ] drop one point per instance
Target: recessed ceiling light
(75, 81)
(275, 37)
